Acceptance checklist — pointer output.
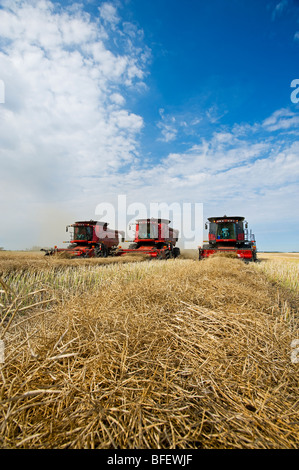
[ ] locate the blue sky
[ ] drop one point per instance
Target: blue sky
(161, 101)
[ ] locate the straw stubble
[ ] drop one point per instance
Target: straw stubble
(169, 354)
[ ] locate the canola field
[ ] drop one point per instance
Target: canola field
(126, 353)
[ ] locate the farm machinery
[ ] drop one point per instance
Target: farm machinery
(154, 238)
(229, 235)
(89, 239)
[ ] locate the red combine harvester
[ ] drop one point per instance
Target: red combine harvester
(153, 237)
(229, 235)
(90, 239)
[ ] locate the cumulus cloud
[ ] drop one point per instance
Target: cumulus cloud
(108, 13)
(64, 116)
(64, 100)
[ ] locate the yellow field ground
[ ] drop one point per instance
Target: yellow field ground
(279, 256)
(119, 353)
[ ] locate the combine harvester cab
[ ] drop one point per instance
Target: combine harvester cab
(153, 238)
(229, 235)
(90, 239)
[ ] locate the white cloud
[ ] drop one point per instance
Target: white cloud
(64, 116)
(37, 23)
(69, 102)
(282, 119)
(214, 115)
(109, 13)
(117, 98)
(168, 132)
(168, 127)
(279, 8)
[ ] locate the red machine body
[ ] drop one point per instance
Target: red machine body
(90, 239)
(229, 235)
(155, 238)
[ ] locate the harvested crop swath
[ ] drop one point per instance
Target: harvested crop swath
(174, 354)
(20, 262)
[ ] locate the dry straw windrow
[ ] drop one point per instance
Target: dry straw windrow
(159, 354)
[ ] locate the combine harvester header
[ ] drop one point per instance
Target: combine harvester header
(229, 235)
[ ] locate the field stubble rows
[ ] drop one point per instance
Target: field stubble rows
(159, 354)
